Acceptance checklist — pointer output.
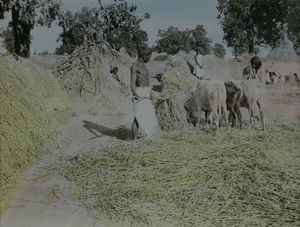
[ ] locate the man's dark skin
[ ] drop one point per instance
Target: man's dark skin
(139, 78)
(256, 63)
(139, 72)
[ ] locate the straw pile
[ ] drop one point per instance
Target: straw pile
(87, 73)
(29, 101)
(236, 178)
(176, 86)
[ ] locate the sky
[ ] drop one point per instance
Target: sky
(180, 13)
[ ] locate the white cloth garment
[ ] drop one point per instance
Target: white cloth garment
(199, 71)
(144, 112)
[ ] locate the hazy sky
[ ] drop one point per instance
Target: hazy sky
(180, 13)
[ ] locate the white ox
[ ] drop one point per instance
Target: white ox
(210, 97)
(251, 95)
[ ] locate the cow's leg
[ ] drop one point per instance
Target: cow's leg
(216, 119)
(239, 115)
(216, 116)
(250, 111)
(230, 118)
(134, 129)
(232, 114)
(261, 114)
(226, 116)
(199, 108)
(211, 118)
(220, 115)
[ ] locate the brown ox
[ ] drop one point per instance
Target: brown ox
(234, 95)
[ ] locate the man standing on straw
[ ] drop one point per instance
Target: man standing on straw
(145, 119)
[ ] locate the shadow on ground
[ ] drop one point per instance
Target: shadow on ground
(121, 133)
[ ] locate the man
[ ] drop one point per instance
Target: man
(255, 63)
(254, 70)
(199, 65)
(144, 115)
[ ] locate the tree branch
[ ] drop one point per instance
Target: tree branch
(99, 1)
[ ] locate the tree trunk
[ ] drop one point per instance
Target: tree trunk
(15, 28)
(251, 47)
(21, 32)
(235, 52)
(251, 41)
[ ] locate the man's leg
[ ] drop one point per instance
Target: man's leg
(135, 127)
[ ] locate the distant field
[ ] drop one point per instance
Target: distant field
(235, 178)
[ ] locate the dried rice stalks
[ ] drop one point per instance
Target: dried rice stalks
(176, 85)
(236, 178)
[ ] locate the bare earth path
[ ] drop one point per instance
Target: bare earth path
(44, 200)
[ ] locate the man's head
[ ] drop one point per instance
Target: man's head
(144, 52)
(255, 63)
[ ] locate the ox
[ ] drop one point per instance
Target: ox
(233, 100)
(210, 97)
(244, 94)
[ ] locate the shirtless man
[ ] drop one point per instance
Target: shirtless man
(140, 86)
(139, 72)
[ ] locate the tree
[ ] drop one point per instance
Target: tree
(249, 24)
(119, 25)
(8, 40)
(219, 50)
(25, 14)
(172, 40)
(200, 43)
(294, 25)
(122, 26)
(74, 29)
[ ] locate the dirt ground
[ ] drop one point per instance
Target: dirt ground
(282, 102)
(44, 200)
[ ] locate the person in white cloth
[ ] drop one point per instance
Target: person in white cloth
(199, 71)
(145, 120)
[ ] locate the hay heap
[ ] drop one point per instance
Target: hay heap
(177, 85)
(236, 178)
(87, 73)
(27, 123)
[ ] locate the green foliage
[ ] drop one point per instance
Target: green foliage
(116, 23)
(4, 7)
(25, 15)
(248, 24)
(294, 25)
(219, 50)
(8, 40)
(172, 40)
(73, 29)
(122, 27)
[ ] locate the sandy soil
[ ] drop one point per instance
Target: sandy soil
(282, 102)
(44, 199)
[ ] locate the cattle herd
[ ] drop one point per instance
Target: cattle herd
(216, 98)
